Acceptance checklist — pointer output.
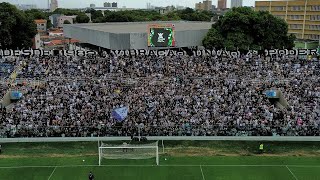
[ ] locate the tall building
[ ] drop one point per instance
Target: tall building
(114, 5)
(92, 5)
(222, 4)
(148, 5)
(205, 5)
(236, 3)
(302, 16)
(199, 6)
(106, 4)
(53, 5)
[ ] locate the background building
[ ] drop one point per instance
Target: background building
(236, 3)
(26, 6)
(41, 25)
(199, 6)
(180, 7)
(54, 19)
(36, 42)
(302, 16)
(103, 9)
(107, 4)
(53, 5)
(205, 5)
(57, 20)
(92, 5)
(114, 5)
(162, 10)
(222, 4)
(63, 18)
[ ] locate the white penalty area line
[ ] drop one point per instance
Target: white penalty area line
(295, 177)
(202, 173)
(52, 172)
(172, 165)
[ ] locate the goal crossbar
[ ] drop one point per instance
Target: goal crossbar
(130, 147)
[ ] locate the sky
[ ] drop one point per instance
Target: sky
(121, 3)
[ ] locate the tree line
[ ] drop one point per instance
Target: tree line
(97, 16)
(243, 29)
(187, 14)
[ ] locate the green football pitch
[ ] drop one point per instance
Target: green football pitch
(64, 162)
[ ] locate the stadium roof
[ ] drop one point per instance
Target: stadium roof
(141, 27)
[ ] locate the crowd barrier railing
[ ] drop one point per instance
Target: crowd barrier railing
(166, 138)
(196, 132)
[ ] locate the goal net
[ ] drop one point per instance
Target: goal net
(128, 151)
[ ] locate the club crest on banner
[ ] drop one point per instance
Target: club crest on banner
(161, 39)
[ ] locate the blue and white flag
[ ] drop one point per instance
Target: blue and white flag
(271, 93)
(15, 95)
(120, 113)
(151, 104)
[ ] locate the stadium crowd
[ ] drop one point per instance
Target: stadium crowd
(166, 96)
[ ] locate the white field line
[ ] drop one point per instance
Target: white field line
(295, 177)
(202, 173)
(172, 165)
(52, 173)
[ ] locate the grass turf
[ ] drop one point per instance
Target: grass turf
(64, 161)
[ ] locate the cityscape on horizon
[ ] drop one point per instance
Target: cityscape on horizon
(121, 3)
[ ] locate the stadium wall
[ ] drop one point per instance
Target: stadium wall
(189, 38)
(94, 37)
(119, 41)
(166, 138)
(137, 41)
(124, 41)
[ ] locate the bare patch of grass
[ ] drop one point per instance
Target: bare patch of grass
(201, 151)
(194, 151)
(3, 156)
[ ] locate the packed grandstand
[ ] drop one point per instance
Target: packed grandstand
(166, 96)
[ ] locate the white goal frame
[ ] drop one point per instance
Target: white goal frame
(128, 146)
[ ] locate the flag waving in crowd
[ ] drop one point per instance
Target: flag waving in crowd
(120, 113)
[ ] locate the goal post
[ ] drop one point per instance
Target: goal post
(128, 151)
